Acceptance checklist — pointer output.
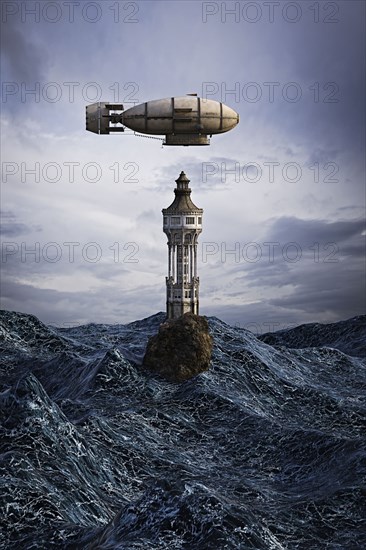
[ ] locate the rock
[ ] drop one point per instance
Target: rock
(181, 349)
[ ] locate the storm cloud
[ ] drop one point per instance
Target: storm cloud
(284, 191)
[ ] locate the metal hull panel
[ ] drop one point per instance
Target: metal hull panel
(181, 115)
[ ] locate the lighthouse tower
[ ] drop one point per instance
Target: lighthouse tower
(182, 223)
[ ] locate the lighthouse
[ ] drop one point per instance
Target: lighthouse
(182, 223)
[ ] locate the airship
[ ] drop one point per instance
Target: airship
(185, 120)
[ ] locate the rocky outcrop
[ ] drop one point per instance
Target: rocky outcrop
(181, 349)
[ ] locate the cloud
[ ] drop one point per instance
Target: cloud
(293, 278)
(320, 217)
(103, 305)
(24, 57)
(306, 232)
(11, 227)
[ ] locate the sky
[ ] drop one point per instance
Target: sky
(283, 193)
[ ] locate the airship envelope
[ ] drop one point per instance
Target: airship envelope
(185, 120)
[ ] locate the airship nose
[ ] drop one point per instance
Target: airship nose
(230, 118)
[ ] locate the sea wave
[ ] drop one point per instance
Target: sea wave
(266, 450)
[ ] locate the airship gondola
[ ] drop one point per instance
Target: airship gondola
(185, 120)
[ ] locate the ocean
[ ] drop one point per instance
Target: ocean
(266, 450)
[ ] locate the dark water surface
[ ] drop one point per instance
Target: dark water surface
(266, 450)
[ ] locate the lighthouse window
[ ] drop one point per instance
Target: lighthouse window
(190, 221)
(200, 220)
(175, 220)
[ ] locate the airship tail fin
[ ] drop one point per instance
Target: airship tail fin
(99, 117)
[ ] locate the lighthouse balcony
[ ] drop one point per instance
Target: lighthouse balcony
(178, 286)
(187, 221)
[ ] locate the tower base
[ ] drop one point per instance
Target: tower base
(175, 310)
